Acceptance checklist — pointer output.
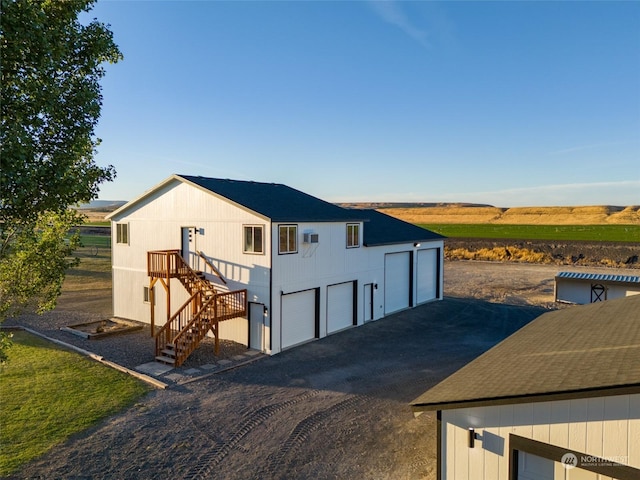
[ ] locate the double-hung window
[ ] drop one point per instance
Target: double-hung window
(353, 235)
(288, 239)
(122, 233)
(253, 239)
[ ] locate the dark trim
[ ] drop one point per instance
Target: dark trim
(551, 452)
(439, 445)
(355, 302)
(513, 461)
(532, 398)
(364, 314)
(317, 332)
(438, 267)
(271, 299)
(411, 280)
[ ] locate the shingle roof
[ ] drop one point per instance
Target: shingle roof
(381, 229)
(577, 349)
(600, 277)
(281, 203)
(278, 202)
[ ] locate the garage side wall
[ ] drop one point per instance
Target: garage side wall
(604, 427)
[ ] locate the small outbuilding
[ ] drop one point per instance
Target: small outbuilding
(557, 400)
(583, 288)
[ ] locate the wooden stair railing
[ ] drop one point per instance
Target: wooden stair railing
(184, 331)
(179, 337)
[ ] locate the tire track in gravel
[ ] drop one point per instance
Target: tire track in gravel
(205, 463)
(277, 462)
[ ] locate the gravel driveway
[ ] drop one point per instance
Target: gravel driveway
(333, 408)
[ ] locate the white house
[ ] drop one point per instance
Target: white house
(558, 399)
(582, 288)
(310, 268)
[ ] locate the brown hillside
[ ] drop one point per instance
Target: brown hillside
(592, 215)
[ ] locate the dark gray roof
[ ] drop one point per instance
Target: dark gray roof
(275, 201)
(281, 203)
(600, 277)
(381, 229)
(580, 349)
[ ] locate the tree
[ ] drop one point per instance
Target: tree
(51, 65)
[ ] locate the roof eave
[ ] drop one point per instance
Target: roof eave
(606, 391)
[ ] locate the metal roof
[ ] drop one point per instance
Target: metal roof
(600, 277)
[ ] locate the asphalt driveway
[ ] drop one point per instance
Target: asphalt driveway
(333, 408)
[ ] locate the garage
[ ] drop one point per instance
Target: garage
(340, 303)
(397, 281)
(427, 275)
(299, 317)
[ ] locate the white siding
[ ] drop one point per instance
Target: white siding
(603, 427)
(156, 224)
(579, 291)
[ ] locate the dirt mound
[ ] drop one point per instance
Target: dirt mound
(602, 254)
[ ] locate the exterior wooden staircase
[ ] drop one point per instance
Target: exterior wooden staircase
(201, 313)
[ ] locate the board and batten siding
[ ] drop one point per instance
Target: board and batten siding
(156, 223)
(603, 426)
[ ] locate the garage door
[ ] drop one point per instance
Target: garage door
(396, 281)
(427, 275)
(298, 322)
(339, 306)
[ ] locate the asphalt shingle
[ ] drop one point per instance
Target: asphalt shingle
(576, 349)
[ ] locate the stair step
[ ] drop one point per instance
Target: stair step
(169, 353)
(167, 360)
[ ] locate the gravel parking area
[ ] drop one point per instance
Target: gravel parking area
(333, 408)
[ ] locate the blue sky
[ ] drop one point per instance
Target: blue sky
(508, 103)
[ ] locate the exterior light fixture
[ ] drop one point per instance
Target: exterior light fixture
(417, 244)
(473, 436)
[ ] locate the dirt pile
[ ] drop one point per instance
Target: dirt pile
(602, 254)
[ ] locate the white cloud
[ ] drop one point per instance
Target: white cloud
(391, 12)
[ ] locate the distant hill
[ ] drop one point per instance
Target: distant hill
(102, 205)
(381, 205)
(591, 215)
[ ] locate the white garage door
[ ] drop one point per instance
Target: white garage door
(298, 317)
(427, 275)
(396, 281)
(339, 306)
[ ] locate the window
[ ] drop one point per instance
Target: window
(122, 233)
(353, 235)
(253, 242)
(147, 294)
(288, 239)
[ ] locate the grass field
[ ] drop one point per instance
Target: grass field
(48, 394)
(599, 233)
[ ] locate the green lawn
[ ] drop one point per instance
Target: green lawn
(600, 233)
(102, 241)
(48, 393)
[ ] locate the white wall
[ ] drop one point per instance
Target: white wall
(155, 224)
(577, 291)
(603, 427)
(329, 262)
